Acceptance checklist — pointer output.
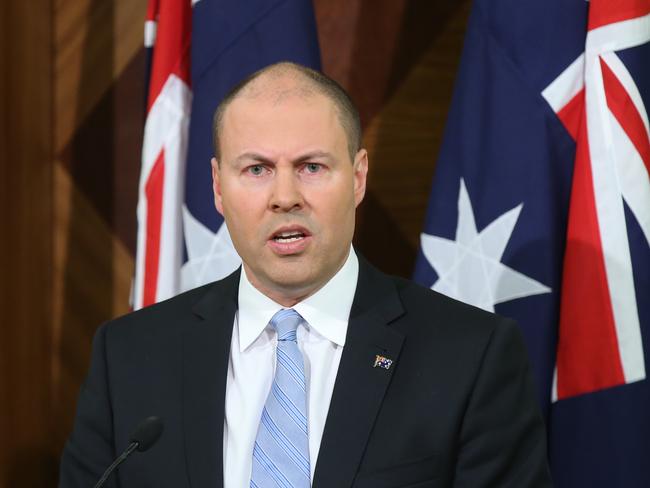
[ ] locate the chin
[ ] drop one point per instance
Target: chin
(291, 281)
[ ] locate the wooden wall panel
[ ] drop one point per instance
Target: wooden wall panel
(403, 140)
(27, 458)
(63, 191)
(94, 42)
(92, 276)
(398, 60)
(359, 42)
(98, 118)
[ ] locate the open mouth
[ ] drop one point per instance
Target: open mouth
(290, 240)
(290, 236)
(290, 233)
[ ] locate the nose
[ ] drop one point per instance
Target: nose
(286, 195)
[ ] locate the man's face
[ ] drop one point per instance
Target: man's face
(288, 191)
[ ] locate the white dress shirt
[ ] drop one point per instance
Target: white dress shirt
(252, 364)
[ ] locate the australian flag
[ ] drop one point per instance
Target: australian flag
(201, 49)
(540, 210)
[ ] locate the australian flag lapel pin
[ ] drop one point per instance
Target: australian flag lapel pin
(382, 362)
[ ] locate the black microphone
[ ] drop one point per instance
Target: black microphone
(142, 438)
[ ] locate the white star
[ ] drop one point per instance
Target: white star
(469, 268)
(210, 256)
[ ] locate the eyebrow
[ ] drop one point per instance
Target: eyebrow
(248, 156)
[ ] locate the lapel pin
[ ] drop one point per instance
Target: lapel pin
(382, 362)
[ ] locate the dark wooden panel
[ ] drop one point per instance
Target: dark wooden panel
(404, 139)
(26, 457)
(398, 60)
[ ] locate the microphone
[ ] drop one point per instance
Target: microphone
(142, 438)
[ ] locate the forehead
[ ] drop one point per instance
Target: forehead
(281, 115)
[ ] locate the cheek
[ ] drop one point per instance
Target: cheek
(337, 208)
(243, 210)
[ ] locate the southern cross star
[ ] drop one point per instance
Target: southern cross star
(470, 268)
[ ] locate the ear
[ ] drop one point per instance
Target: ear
(216, 185)
(360, 168)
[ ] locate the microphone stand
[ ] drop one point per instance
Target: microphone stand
(127, 452)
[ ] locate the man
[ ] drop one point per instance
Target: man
(307, 365)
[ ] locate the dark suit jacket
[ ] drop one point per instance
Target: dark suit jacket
(456, 408)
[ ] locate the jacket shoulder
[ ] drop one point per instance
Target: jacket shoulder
(447, 313)
(170, 313)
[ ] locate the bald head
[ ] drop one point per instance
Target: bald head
(278, 82)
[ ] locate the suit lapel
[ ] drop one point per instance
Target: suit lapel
(360, 387)
(206, 349)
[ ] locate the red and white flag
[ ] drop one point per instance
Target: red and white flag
(598, 101)
(162, 182)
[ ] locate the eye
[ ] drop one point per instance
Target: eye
(256, 170)
(313, 167)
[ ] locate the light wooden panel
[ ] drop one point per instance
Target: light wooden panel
(97, 37)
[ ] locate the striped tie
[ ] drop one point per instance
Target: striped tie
(281, 452)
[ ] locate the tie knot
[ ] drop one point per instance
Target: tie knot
(285, 322)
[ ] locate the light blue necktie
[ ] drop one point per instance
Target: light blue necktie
(281, 452)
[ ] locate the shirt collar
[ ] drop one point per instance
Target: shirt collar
(327, 311)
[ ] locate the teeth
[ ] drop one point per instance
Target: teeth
(288, 234)
(288, 239)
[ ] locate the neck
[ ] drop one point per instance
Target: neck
(289, 295)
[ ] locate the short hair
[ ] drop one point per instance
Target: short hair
(347, 112)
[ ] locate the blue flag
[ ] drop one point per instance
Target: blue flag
(540, 211)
